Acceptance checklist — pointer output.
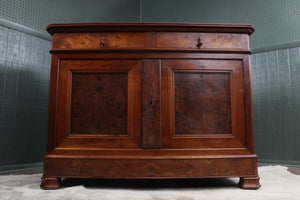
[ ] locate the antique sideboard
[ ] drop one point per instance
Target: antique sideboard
(150, 100)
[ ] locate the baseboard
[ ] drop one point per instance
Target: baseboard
(279, 162)
(20, 167)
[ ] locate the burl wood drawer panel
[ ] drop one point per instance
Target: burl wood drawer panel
(207, 40)
(100, 40)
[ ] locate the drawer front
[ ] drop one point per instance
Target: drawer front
(100, 40)
(207, 40)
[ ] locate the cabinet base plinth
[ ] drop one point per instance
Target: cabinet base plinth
(50, 183)
(249, 183)
(244, 166)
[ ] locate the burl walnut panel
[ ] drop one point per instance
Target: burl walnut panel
(202, 103)
(99, 103)
(207, 40)
(101, 40)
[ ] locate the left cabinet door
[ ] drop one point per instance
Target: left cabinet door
(98, 104)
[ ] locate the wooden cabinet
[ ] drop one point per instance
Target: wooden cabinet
(150, 100)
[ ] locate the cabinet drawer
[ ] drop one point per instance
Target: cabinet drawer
(100, 40)
(208, 40)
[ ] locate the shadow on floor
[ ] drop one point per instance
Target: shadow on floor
(150, 184)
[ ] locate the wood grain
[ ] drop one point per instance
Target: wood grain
(146, 27)
(151, 103)
(82, 167)
(202, 103)
(209, 40)
(81, 113)
(232, 132)
(108, 40)
(99, 103)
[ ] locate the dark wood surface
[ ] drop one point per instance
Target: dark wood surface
(99, 103)
(108, 118)
(149, 27)
(150, 100)
(208, 40)
(232, 132)
(151, 103)
(208, 110)
(102, 40)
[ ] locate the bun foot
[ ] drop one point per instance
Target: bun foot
(50, 183)
(249, 182)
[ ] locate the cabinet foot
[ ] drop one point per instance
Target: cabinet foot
(249, 182)
(50, 183)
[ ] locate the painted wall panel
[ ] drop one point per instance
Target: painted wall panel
(37, 14)
(24, 80)
(276, 99)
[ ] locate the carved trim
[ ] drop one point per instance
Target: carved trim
(150, 50)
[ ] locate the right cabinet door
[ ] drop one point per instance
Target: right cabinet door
(203, 104)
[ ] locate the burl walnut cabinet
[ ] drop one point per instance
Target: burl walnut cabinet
(150, 100)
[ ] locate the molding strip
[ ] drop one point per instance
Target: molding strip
(279, 162)
(277, 47)
(20, 167)
(25, 29)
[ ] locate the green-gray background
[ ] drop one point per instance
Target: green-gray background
(25, 65)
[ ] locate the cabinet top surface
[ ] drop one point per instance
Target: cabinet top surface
(150, 27)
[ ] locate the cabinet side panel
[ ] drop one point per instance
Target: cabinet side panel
(52, 107)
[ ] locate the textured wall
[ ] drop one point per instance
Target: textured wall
(276, 99)
(276, 21)
(37, 14)
(24, 77)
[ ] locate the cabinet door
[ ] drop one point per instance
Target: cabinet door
(203, 104)
(97, 104)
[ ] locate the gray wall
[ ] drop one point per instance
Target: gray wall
(37, 14)
(24, 77)
(276, 21)
(276, 100)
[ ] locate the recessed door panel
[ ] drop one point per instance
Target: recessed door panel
(204, 104)
(97, 104)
